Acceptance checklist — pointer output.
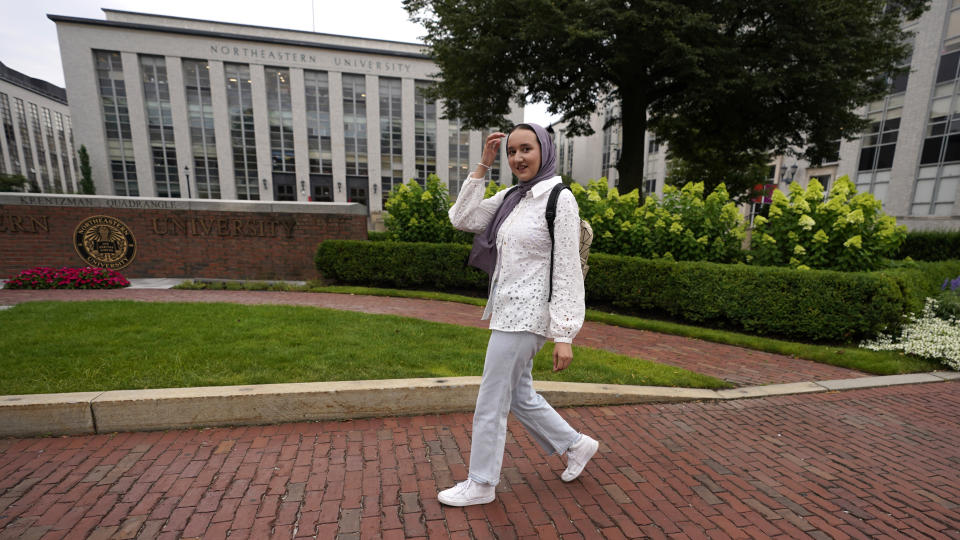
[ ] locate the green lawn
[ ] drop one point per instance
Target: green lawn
(847, 356)
(92, 346)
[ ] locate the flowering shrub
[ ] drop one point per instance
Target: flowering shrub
(416, 214)
(948, 300)
(684, 225)
(848, 231)
(68, 278)
(927, 336)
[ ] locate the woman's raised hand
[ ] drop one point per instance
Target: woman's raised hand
(490, 148)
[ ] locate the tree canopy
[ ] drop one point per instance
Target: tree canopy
(742, 79)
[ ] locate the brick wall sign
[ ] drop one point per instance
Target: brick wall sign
(171, 237)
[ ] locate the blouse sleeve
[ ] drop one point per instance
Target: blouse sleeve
(567, 306)
(471, 212)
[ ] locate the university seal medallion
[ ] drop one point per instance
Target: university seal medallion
(105, 242)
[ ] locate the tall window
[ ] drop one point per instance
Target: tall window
(425, 132)
(65, 154)
(495, 166)
(242, 139)
(25, 143)
(73, 151)
(38, 144)
(459, 166)
(196, 77)
(116, 120)
(938, 176)
(878, 146)
(280, 111)
(355, 124)
(570, 156)
(391, 124)
(8, 130)
(561, 153)
(52, 151)
(156, 100)
(319, 144)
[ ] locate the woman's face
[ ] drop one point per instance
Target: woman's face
(523, 153)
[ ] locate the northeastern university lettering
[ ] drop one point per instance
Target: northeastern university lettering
(270, 228)
(105, 241)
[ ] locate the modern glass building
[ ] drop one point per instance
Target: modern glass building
(36, 135)
(174, 107)
(909, 157)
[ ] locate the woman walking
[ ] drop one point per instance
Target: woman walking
(512, 244)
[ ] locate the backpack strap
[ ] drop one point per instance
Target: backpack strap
(551, 217)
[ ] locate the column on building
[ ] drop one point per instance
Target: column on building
(371, 197)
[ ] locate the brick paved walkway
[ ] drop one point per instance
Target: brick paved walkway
(878, 463)
(737, 365)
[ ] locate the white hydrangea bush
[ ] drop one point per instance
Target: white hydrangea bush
(926, 336)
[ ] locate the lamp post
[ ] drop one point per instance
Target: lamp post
(783, 173)
(186, 172)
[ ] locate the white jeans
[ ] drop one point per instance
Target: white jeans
(507, 385)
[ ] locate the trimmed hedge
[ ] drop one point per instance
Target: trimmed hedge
(931, 246)
(813, 305)
(402, 265)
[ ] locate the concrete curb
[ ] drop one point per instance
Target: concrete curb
(176, 408)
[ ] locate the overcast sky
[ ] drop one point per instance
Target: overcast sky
(29, 43)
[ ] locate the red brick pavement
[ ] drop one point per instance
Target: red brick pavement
(737, 365)
(877, 463)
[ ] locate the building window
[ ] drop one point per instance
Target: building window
(939, 172)
(8, 131)
(570, 156)
(243, 142)
(653, 145)
(38, 145)
(280, 111)
(611, 143)
(878, 146)
(116, 119)
(156, 101)
(391, 131)
(495, 166)
(650, 185)
(196, 76)
(319, 145)
(561, 149)
(52, 151)
(73, 151)
(355, 124)
(459, 165)
(25, 143)
(425, 132)
(65, 154)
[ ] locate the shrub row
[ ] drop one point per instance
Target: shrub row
(931, 246)
(809, 305)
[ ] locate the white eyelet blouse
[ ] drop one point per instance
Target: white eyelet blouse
(519, 285)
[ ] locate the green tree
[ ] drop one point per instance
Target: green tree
(737, 77)
(86, 179)
(741, 174)
(13, 182)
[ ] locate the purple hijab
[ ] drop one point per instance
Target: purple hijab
(484, 252)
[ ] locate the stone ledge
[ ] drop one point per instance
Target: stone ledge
(32, 415)
(176, 408)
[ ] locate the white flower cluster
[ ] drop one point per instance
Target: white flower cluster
(927, 336)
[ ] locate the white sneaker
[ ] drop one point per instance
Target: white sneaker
(578, 455)
(467, 493)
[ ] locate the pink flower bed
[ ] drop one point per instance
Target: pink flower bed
(67, 278)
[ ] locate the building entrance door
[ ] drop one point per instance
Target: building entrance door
(284, 186)
(321, 188)
(357, 190)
